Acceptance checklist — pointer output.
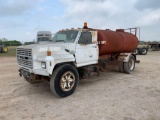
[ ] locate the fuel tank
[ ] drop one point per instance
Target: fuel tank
(118, 41)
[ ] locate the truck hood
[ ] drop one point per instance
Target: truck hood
(45, 46)
(40, 50)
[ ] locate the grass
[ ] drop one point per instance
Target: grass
(11, 52)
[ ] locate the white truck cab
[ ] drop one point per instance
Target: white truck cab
(71, 47)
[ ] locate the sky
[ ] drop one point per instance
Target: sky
(22, 19)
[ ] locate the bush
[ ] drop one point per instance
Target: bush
(11, 43)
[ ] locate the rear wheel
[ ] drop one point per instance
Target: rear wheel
(64, 80)
(130, 65)
(143, 51)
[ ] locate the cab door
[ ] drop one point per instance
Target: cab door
(87, 49)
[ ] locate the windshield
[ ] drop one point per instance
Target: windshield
(43, 39)
(68, 36)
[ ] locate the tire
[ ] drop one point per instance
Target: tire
(130, 65)
(143, 51)
(59, 83)
(121, 68)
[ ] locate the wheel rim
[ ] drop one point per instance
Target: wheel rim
(67, 81)
(144, 51)
(131, 64)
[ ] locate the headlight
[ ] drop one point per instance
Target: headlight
(43, 65)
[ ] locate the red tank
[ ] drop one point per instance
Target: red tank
(116, 42)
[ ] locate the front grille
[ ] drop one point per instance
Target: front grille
(24, 57)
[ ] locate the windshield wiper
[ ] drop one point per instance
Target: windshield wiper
(60, 41)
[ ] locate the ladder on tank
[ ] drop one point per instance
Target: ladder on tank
(134, 31)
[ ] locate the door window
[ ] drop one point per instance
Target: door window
(85, 38)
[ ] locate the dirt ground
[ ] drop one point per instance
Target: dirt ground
(111, 96)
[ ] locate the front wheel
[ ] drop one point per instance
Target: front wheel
(64, 80)
(130, 65)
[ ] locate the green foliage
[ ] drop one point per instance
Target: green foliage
(11, 43)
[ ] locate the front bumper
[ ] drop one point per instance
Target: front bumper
(41, 72)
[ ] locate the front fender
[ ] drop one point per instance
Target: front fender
(58, 59)
(52, 61)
